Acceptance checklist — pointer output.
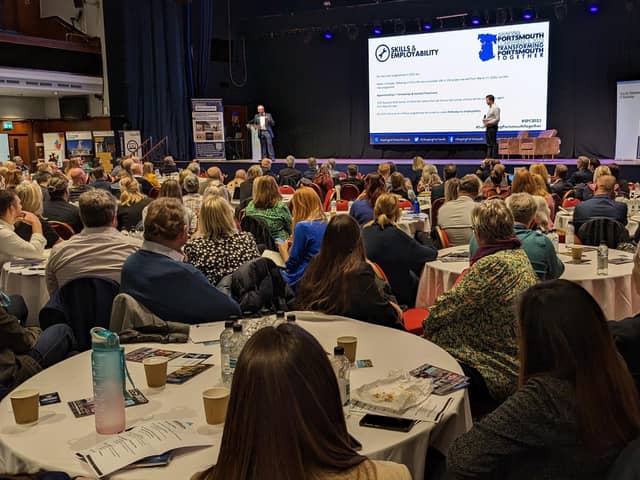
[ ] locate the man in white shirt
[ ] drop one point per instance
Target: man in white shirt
(491, 121)
(98, 251)
(264, 123)
(454, 217)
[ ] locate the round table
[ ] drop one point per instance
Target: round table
(50, 443)
(563, 218)
(29, 282)
(615, 292)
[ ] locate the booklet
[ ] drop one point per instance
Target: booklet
(139, 354)
(184, 374)
(86, 406)
(275, 257)
(142, 441)
(444, 381)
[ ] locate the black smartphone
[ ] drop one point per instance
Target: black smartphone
(355, 443)
(387, 423)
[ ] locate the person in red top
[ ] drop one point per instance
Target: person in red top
(323, 179)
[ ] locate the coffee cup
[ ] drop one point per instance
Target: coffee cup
(155, 368)
(215, 401)
(349, 343)
(26, 406)
(576, 252)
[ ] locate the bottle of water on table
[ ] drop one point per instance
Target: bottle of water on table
(108, 371)
(342, 369)
(225, 351)
(603, 259)
(237, 343)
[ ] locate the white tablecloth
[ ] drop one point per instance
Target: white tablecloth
(28, 282)
(563, 219)
(615, 292)
(49, 444)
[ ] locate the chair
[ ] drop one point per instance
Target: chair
(349, 192)
(316, 189)
(82, 304)
(342, 206)
(626, 466)
(260, 230)
(286, 190)
(570, 202)
(154, 193)
(598, 229)
(327, 199)
(435, 207)
(342, 176)
(413, 318)
(378, 271)
(511, 146)
(626, 335)
(557, 201)
(546, 143)
(64, 230)
(443, 238)
(404, 205)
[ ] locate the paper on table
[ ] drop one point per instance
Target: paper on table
(145, 440)
(431, 410)
(275, 256)
(204, 333)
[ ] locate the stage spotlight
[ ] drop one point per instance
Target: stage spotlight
(399, 27)
(327, 35)
(475, 18)
(593, 8)
(427, 25)
(377, 29)
(528, 14)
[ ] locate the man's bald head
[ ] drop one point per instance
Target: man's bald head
(605, 185)
(136, 169)
(77, 176)
(214, 173)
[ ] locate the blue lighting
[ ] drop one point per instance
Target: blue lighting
(377, 30)
(594, 8)
(426, 26)
(475, 20)
(328, 35)
(527, 14)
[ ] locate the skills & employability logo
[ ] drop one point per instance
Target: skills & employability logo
(384, 52)
(513, 45)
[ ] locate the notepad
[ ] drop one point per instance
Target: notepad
(204, 333)
(275, 257)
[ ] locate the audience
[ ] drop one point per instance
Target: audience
(99, 250)
(323, 179)
(30, 196)
(564, 421)
(588, 191)
(353, 178)
(333, 170)
(238, 179)
(542, 191)
(171, 189)
(217, 248)
(399, 256)
(290, 175)
(11, 245)
(43, 179)
(384, 170)
(267, 205)
(538, 247)
(561, 185)
(497, 183)
(191, 198)
(622, 185)
(399, 188)
(430, 179)
(437, 189)
(149, 175)
(132, 204)
(157, 277)
(215, 178)
(543, 215)
(78, 184)
(309, 225)
(474, 321)
(246, 188)
(416, 171)
(58, 208)
(339, 281)
(12, 178)
(169, 165)
(602, 205)
(582, 174)
(454, 217)
(100, 179)
(297, 428)
(265, 164)
(541, 169)
(362, 209)
(20, 165)
(136, 172)
(312, 169)
(451, 189)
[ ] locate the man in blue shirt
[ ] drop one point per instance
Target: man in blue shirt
(157, 277)
(601, 205)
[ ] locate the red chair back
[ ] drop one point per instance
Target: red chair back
(154, 192)
(64, 230)
(378, 271)
(342, 206)
(286, 190)
(317, 189)
(342, 176)
(404, 205)
(327, 199)
(570, 202)
(443, 237)
(349, 192)
(435, 206)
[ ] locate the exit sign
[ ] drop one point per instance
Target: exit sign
(7, 125)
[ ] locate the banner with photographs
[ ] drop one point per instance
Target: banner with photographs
(54, 150)
(104, 143)
(80, 144)
(208, 128)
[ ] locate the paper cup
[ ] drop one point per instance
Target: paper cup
(576, 252)
(26, 405)
(155, 368)
(349, 344)
(216, 401)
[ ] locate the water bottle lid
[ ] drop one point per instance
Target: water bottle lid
(229, 324)
(237, 327)
(338, 350)
(104, 338)
(280, 314)
(291, 317)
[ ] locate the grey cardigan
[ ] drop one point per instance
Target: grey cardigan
(532, 435)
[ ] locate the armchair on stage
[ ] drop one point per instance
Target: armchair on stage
(546, 143)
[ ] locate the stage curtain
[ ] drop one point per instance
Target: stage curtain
(201, 35)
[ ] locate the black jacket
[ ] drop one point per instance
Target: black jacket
(246, 190)
(62, 211)
(290, 176)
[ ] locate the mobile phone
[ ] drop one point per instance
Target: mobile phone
(387, 423)
(355, 444)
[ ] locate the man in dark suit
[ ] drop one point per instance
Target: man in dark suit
(352, 178)
(561, 185)
(582, 175)
(601, 205)
(450, 171)
(264, 123)
(290, 175)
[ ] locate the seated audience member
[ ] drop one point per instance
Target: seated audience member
(58, 208)
(309, 225)
(437, 189)
(541, 169)
(132, 203)
(601, 205)
(217, 191)
(25, 351)
(297, 430)
(78, 184)
(99, 250)
(267, 205)
(30, 197)
(323, 179)
(238, 179)
(333, 170)
(401, 257)
(339, 281)
(561, 186)
(149, 175)
(191, 198)
(265, 164)
(554, 425)
(451, 189)
(312, 169)
(588, 191)
(215, 178)
(217, 249)
(43, 179)
(474, 321)
(384, 170)
(353, 178)
(117, 167)
(171, 189)
(497, 183)
(157, 277)
(169, 165)
(542, 191)
(145, 185)
(399, 187)
(246, 188)
(582, 174)
(194, 168)
(100, 179)
(542, 221)
(12, 178)
(11, 245)
(594, 163)
(455, 216)
(538, 247)
(290, 175)
(525, 182)
(416, 171)
(362, 209)
(20, 165)
(622, 185)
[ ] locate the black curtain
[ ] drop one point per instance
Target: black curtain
(146, 58)
(201, 35)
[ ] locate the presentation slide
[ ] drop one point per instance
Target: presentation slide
(430, 88)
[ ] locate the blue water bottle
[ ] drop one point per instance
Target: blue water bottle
(416, 206)
(108, 369)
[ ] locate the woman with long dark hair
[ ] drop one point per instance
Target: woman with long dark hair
(576, 407)
(296, 430)
(339, 281)
(362, 209)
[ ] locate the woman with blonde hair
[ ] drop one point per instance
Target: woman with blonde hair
(416, 168)
(132, 203)
(30, 195)
(149, 175)
(451, 189)
(171, 189)
(267, 205)
(12, 178)
(430, 178)
(217, 249)
(541, 191)
(309, 225)
(541, 169)
(403, 262)
(589, 191)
